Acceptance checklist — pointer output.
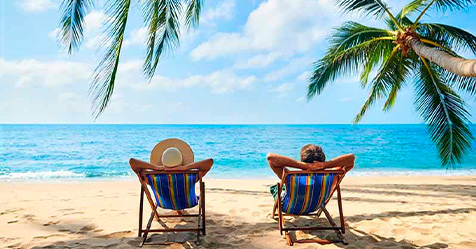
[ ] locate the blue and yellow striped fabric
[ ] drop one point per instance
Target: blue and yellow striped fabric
(174, 191)
(305, 193)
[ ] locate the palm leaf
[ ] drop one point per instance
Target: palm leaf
(444, 112)
(462, 83)
(453, 4)
(404, 21)
(350, 45)
(412, 7)
(388, 81)
(452, 37)
(375, 8)
(72, 22)
(164, 30)
(369, 7)
(192, 17)
(105, 73)
(443, 5)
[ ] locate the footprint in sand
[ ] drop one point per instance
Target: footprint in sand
(87, 228)
(16, 245)
(29, 217)
(51, 223)
(12, 210)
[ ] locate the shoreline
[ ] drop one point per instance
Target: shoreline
(370, 174)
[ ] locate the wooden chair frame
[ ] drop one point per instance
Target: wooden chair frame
(339, 230)
(201, 226)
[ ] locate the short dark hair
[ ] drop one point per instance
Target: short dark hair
(311, 153)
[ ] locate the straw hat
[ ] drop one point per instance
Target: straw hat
(171, 152)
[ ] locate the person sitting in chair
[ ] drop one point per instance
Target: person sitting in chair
(312, 158)
(171, 155)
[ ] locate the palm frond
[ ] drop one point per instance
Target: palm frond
(72, 22)
(414, 6)
(461, 83)
(382, 51)
(443, 5)
(164, 30)
(453, 4)
(453, 38)
(192, 17)
(444, 112)
(392, 74)
(375, 8)
(369, 7)
(104, 77)
(404, 22)
(350, 45)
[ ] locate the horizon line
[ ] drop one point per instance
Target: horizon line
(213, 124)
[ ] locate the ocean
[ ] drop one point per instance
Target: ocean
(45, 152)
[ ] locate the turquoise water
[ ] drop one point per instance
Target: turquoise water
(103, 151)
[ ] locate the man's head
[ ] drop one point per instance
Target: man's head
(311, 153)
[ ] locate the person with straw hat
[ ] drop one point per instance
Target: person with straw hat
(171, 154)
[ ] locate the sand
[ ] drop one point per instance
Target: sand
(386, 212)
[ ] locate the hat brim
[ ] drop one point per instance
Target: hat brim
(187, 153)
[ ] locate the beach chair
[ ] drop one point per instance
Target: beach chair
(307, 194)
(172, 190)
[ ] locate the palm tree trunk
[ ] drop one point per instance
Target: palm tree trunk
(459, 66)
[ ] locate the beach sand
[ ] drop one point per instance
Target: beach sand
(385, 212)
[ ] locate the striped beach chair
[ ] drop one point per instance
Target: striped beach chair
(307, 194)
(172, 190)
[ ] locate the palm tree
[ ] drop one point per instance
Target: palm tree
(407, 51)
(163, 19)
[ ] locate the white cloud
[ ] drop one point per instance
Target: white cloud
(137, 37)
(54, 34)
(221, 44)
(50, 74)
(295, 65)
(304, 76)
(224, 11)
(36, 5)
(276, 25)
(259, 61)
(94, 20)
(222, 81)
(346, 99)
(283, 89)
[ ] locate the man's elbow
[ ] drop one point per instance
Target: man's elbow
(270, 157)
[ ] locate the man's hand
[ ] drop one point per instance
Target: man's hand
(316, 165)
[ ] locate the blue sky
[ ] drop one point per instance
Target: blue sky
(246, 63)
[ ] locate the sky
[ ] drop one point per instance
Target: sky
(247, 63)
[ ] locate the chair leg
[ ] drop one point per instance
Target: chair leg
(319, 212)
(149, 224)
(341, 214)
(289, 240)
(273, 214)
(280, 211)
(199, 221)
(203, 209)
(141, 210)
(332, 222)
